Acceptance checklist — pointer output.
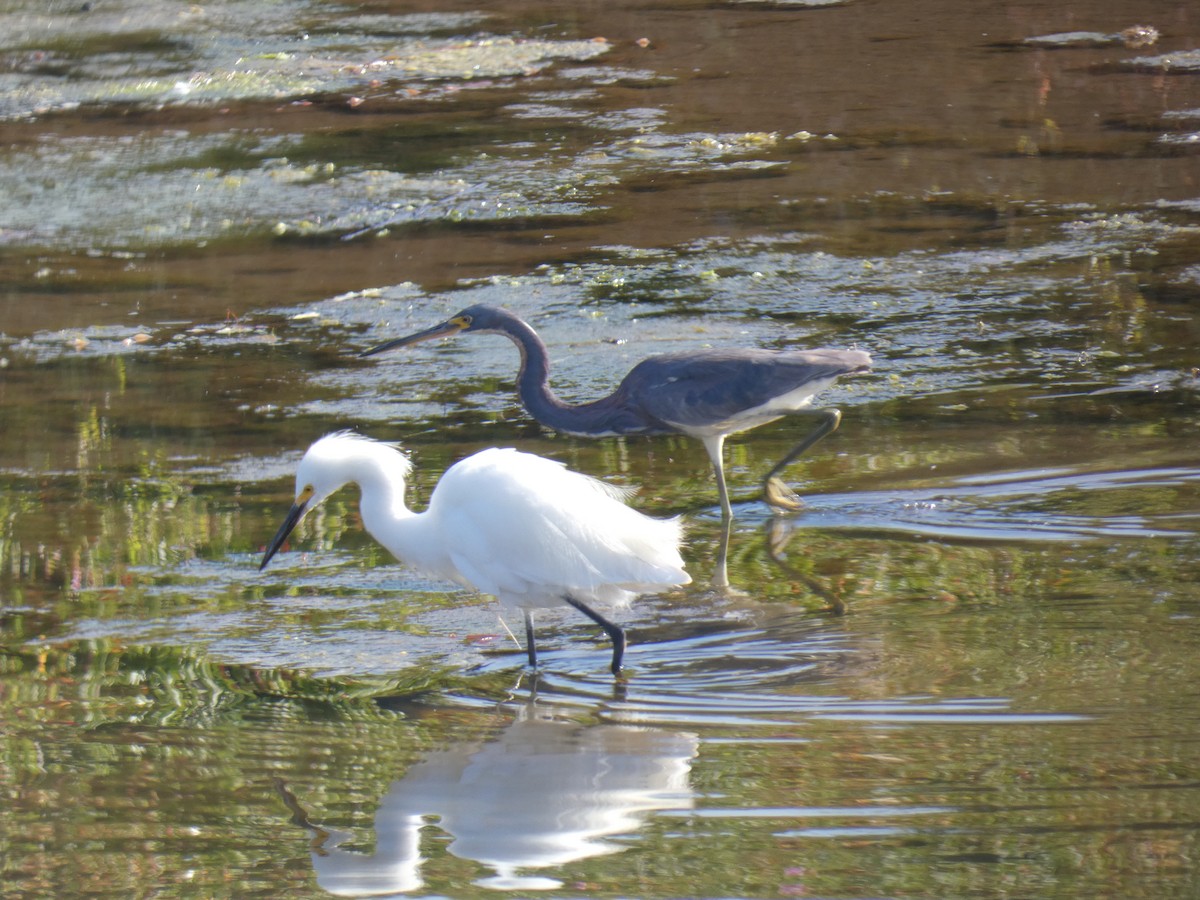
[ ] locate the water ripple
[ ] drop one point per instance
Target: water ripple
(752, 682)
(1011, 506)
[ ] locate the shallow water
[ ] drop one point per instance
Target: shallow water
(967, 668)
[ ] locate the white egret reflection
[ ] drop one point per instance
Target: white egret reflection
(546, 793)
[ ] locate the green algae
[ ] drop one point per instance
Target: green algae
(172, 54)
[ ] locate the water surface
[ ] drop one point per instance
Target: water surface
(967, 668)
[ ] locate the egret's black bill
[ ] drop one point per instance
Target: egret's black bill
(445, 329)
(295, 514)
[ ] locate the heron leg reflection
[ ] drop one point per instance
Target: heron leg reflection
(530, 644)
(778, 494)
(777, 538)
(615, 632)
(720, 578)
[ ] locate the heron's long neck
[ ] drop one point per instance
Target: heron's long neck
(533, 381)
(533, 385)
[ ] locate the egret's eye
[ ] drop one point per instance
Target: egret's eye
(305, 494)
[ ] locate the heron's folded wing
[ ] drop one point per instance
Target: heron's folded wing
(701, 389)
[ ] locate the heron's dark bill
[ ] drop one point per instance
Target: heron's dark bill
(295, 514)
(445, 329)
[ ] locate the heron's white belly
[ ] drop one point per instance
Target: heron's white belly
(773, 409)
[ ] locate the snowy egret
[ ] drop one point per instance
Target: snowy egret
(706, 394)
(520, 527)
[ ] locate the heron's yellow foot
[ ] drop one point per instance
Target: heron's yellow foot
(782, 497)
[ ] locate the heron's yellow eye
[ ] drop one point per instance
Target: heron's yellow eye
(462, 321)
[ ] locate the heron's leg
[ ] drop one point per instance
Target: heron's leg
(715, 445)
(779, 494)
(530, 645)
(615, 632)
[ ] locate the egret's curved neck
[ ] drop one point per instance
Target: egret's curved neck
(382, 502)
(407, 535)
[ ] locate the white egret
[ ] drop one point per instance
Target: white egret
(522, 528)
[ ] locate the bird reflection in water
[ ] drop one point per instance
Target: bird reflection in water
(548, 792)
(777, 533)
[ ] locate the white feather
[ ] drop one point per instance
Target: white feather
(522, 528)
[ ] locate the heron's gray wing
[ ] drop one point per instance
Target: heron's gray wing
(695, 390)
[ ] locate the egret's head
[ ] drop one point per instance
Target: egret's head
(479, 318)
(331, 463)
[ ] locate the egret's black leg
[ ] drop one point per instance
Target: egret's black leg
(779, 494)
(299, 816)
(615, 632)
(530, 644)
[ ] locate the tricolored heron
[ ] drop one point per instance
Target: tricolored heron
(707, 394)
(520, 527)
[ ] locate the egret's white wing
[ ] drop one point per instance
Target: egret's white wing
(528, 530)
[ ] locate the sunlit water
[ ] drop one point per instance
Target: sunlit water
(967, 668)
